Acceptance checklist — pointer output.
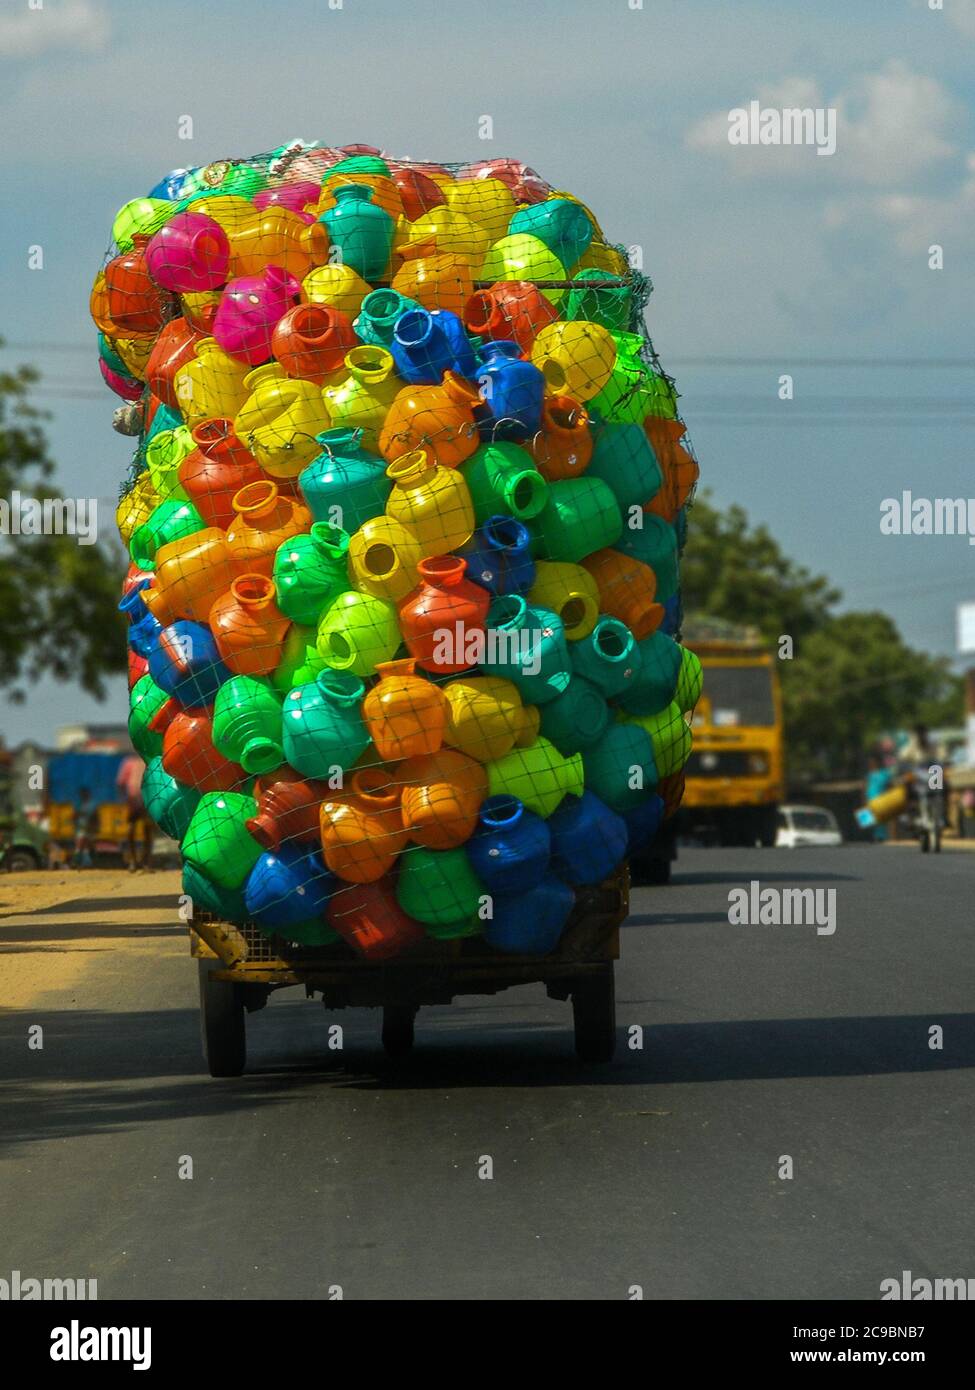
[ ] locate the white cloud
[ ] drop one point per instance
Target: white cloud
(893, 126)
(58, 24)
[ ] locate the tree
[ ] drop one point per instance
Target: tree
(852, 676)
(58, 599)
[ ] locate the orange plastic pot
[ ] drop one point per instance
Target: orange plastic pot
(274, 236)
(311, 341)
(435, 279)
(511, 309)
(173, 348)
(362, 832)
(188, 754)
(680, 471)
(190, 575)
(265, 518)
(288, 810)
(216, 470)
(442, 796)
(626, 589)
(443, 616)
(404, 713)
(439, 419)
(418, 192)
(248, 627)
(368, 917)
(563, 446)
(136, 305)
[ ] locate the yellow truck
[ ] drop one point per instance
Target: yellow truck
(736, 773)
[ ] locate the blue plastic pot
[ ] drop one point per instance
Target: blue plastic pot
(642, 823)
(426, 344)
(588, 839)
(512, 391)
(289, 887)
(509, 850)
(143, 627)
(184, 662)
(499, 556)
(530, 923)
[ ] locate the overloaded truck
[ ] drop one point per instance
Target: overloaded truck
(404, 522)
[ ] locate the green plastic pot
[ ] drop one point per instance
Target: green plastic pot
(225, 903)
(501, 480)
(301, 661)
(621, 769)
(169, 521)
(218, 841)
(654, 541)
(310, 571)
(670, 735)
(580, 517)
(538, 775)
(623, 458)
(247, 724)
(577, 719)
(610, 307)
(358, 633)
(168, 803)
(438, 886)
(146, 699)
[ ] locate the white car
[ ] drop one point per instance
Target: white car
(806, 825)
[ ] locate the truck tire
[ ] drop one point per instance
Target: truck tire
(222, 1029)
(594, 1015)
(398, 1029)
(19, 860)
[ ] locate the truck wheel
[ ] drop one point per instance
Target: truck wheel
(20, 861)
(594, 1015)
(398, 1029)
(222, 1028)
(657, 871)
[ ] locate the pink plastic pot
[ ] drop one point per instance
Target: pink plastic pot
(189, 254)
(250, 307)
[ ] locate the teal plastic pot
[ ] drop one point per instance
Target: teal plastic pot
(609, 657)
(217, 841)
(225, 903)
(654, 542)
(247, 724)
(621, 768)
(323, 729)
(345, 485)
(169, 521)
(378, 316)
(438, 886)
(580, 517)
(168, 803)
(577, 719)
(360, 164)
(310, 571)
(502, 480)
(623, 458)
(361, 229)
(611, 307)
(656, 681)
(526, 645)
(560, 223)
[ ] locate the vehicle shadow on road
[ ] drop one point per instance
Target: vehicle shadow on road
(102, 1072)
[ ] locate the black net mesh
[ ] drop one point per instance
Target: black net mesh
(404, 518)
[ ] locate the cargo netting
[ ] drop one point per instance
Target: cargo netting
(404, 520)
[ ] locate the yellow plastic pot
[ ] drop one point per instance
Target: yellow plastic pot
(337, 285)
(211, 385)
(383, 556)
(280, 419)
(486, 717)
(359, 397)
(576, 358)
(571, 592)
(488, 202)
(136, 506)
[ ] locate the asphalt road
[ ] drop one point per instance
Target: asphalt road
(662, 1170)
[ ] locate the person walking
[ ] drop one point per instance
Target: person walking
(129, 783)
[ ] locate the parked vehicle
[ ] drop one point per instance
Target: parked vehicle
(806, 825)
(23, 846)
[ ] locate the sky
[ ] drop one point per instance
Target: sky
(765, 260)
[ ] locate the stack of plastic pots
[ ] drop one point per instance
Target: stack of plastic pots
(404, 524)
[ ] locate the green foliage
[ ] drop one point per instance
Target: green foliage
(852, 677)
(58, 599)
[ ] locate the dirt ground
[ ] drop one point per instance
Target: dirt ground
(54, 923)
